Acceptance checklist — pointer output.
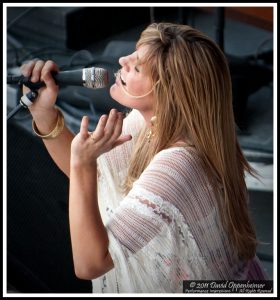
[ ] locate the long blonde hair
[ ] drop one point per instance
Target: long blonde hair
(193, 98)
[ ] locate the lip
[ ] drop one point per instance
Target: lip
(118, 81)
(121, 80)
(117, 76)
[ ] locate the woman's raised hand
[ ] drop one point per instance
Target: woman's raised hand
(87, 146)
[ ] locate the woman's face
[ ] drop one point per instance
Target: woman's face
(133, 80)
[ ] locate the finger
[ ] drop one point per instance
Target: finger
(123, 139)
(99, 130)
(46, 75)
(117, 127)
(84, 127)
(36, 72)
(111, 123)
(26, 69)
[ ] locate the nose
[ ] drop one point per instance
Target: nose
(123, 61)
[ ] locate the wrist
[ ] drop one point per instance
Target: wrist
(45, 120)
(80, 164)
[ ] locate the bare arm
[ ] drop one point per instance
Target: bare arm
(59, 150)
(59, 147)
(44, 112)
(89, 237)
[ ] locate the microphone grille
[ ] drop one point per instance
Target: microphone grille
(95, 78)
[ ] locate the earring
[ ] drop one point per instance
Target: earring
(151, 132)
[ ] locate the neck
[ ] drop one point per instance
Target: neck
(147, 115)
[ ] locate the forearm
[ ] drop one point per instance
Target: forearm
(88, 235)
(59, 147)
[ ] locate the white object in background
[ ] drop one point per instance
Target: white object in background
(265, 182)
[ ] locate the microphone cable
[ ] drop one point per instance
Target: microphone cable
(25, 101)
(14, 111)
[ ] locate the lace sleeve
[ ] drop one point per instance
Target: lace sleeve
(168, 229)
(151, 245)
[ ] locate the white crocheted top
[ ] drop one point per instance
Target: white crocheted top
(167, 229)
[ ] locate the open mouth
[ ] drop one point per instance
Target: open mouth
(122, 81)
(118, 74)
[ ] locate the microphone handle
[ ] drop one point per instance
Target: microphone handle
(20, 79)
(71, 77)
(12, 79)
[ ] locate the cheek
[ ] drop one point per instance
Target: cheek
(138, 87)
(134, 88)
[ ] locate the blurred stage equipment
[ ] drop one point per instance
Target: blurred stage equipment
(248, 73)
(39, 257)
(72, 27)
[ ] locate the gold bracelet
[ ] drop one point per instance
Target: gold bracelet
(55, 132)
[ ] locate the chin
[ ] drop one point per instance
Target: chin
(118, 96)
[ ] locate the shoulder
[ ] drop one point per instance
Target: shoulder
(176, 152)
(178, 164)
(177, 158)
(176, 175)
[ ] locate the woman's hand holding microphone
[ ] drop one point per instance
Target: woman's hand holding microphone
(86, 146)
(43, 110)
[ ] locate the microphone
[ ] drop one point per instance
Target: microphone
(93, 78)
